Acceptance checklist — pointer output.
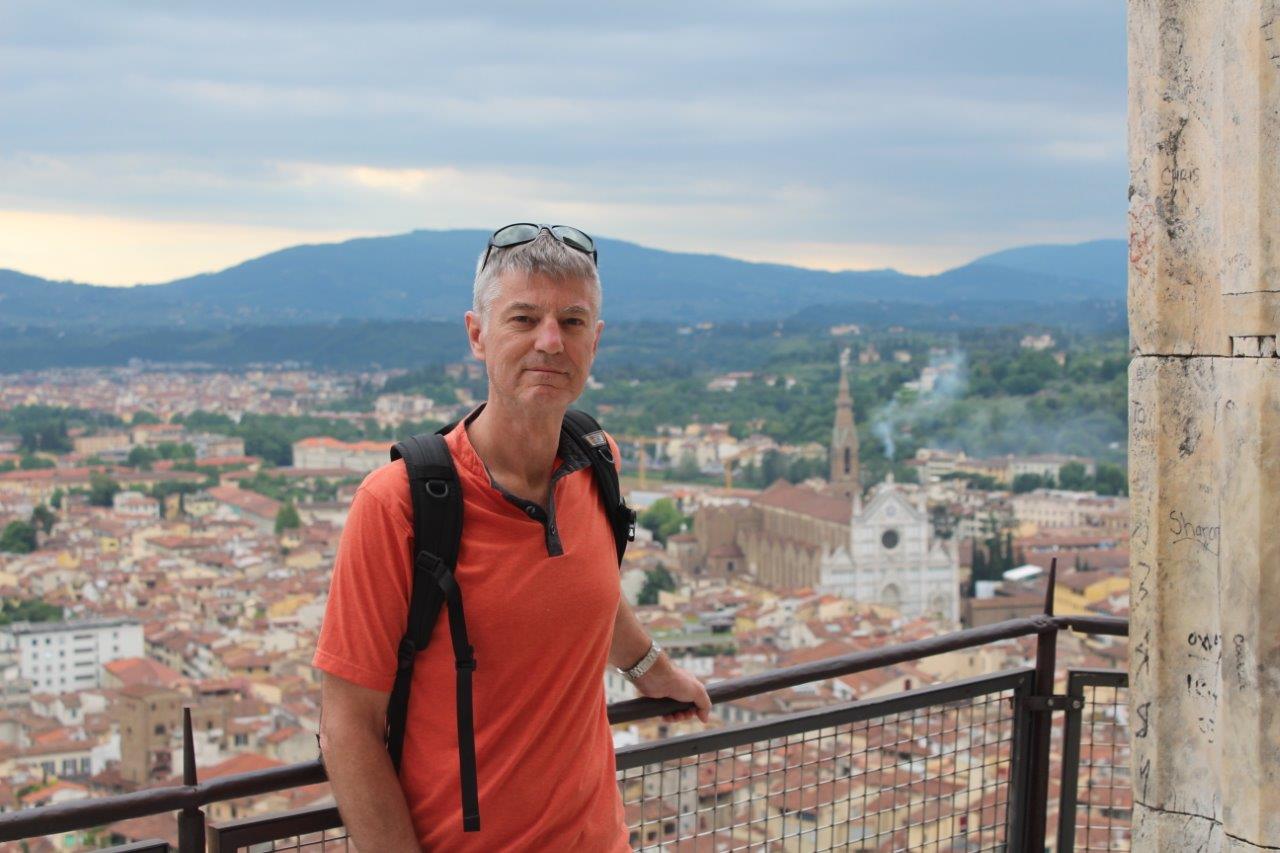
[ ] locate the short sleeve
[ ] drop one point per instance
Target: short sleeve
(368, 607)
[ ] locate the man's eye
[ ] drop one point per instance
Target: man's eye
(575, 321)
(521, 319)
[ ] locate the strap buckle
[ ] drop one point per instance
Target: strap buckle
(405, 653)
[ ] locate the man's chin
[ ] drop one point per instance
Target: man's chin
(548, 396)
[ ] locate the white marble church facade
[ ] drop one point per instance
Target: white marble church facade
(893, 558)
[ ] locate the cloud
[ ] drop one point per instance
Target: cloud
(122, 251)
(869, 133)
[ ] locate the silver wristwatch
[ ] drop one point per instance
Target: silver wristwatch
(644, 664)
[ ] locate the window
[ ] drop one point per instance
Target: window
(159, 728)
(848, 460)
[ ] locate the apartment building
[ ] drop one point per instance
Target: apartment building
(61, 657)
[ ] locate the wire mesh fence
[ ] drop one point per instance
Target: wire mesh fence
(328, 841)
(914, 772)
(1097, 798)
(309, 830)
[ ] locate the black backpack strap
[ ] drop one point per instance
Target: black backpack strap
(590, 438)
(437, 534)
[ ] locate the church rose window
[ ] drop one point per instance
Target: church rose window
(889, 539)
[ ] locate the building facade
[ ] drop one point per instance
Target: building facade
(882, 551)
(893, 558)
(62, 657)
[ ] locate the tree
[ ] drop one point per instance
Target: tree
(1111, 480)
(28, 610)
(686, 469)
(141, 458)
(1072, 476)
(43, 517)
(30, 462)
(55, 500)
(287, 518)
(142, 416)
(170, 450)
(944, 524)
(656, 580)
(102, 489)
(663, 518)
(19, 537)
(1024, 483)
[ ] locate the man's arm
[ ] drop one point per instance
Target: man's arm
(369, 797)
(664, 680)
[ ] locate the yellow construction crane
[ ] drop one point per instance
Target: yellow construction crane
(733, 460)
(642, 440)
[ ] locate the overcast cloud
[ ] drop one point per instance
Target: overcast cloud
(141, 142)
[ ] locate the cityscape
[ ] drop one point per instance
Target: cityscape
(941, 458)
(163, 549)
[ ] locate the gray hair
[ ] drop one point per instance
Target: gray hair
(546, 256)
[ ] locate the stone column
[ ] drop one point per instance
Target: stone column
(1204, 431)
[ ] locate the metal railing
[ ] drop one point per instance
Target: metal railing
(919, 769)
(1096, 805)
(965, 764)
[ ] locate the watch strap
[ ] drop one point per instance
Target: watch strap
(645, 663)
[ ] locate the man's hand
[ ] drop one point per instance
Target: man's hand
(665, 680)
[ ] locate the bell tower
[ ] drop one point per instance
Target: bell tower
(844, 477)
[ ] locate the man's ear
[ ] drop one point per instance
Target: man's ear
(474, 327)
(595, 345)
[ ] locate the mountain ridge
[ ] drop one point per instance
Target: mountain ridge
(423, 275)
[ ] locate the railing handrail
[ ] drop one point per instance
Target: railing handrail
(84, 814)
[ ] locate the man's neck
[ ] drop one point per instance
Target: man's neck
(518, 446)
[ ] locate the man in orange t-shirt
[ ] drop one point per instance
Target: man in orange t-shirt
(539, 575)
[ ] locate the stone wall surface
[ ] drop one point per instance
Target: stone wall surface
(1204, 446)
(1204, 156)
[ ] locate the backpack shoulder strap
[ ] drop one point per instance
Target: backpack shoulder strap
(437, 535)
(586, 433)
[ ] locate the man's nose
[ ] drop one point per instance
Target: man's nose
(549, 339)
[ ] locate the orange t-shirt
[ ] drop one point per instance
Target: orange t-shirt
(540, 592)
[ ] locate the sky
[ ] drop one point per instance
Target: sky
(142, 142)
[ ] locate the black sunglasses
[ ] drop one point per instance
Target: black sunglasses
(526, 232)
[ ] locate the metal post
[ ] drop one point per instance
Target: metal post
(1041, 730)
(1016, 816)
(190, 819)
(1070, 764)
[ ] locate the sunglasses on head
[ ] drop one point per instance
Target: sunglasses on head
(526, 232)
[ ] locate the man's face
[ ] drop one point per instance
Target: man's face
(537, 341)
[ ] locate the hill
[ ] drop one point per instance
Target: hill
(424, 275)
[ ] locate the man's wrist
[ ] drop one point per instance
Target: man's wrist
(645, 664)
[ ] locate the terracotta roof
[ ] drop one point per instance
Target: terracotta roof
(43, 795)
(361, 446)
(806, 501)
(162, 826)
(245, 762)
(250, 502)
(142, 671)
